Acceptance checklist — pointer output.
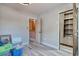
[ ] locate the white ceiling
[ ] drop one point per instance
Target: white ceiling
(35, 8)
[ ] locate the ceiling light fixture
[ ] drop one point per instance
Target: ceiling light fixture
(25, 4)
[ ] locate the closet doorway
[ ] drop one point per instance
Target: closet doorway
(68, 30)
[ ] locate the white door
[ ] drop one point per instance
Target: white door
(39, 30)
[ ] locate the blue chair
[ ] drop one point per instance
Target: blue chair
(17, 52)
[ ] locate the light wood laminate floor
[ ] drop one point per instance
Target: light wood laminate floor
(37, 49)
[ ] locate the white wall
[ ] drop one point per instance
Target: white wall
(14, 23)
(50, 25)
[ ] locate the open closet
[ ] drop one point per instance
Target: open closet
(68, 30)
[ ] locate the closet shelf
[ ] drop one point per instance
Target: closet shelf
(69, 34)
(67, 24)
(68, 13)
(69, 29)
(67, 19)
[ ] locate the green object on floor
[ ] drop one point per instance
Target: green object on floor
(5, 48)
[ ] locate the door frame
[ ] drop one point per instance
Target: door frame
(75, 33)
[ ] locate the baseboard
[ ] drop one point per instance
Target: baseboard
(52, 46)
